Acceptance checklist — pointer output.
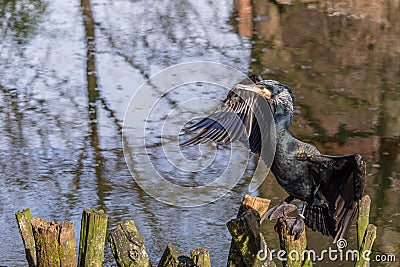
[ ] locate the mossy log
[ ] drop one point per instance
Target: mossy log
(363, 218)
(92, 238)
(295, 247)
(24, 219)
(258, 204)
(200, 257)
(366, 245)
(127, 245)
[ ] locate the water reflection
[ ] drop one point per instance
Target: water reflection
(69, 68)
(21, 18)
(344, 73)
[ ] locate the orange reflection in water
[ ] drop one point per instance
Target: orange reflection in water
(244, 17)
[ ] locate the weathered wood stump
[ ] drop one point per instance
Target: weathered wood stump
(54, 243)
(24, 219)
(294, 246)
(92, 238)
(173, 257)
(366, 232)
(363, 218)
(246, 237)
(127, 245)
(200, 257)
(67, 244)
(46, 236)
(47, 243)
(368, 241)
(258, 204)
(247, 240)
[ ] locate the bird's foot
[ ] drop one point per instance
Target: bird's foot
(295, 226)
(278, 211)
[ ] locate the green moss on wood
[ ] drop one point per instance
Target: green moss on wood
(367, 243)
(258, 206)
(127, 245)
(363, 218)
(92, 238)
(67, 245)
(24, 219)
(46, 236)
(200, 257)
(173, 257)
(247, 239)
(290, 243)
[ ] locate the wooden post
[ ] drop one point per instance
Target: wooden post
(366, 245)
(92, 238)
(173, 257)
(295, 248)
(24, 219)
(258, 204)
(363, 218)
(127, 245)
(200, 257)
(234, 257)
(366, 232)
(68, 245)
(47, 243)
(46, 236)
(248, 240)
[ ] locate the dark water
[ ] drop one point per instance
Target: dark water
(68, 70)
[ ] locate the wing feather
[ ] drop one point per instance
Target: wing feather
(232, 121)
(341, 184)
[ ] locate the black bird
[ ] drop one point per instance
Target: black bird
(329, 186)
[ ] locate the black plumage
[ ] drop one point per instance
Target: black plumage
(330, 186)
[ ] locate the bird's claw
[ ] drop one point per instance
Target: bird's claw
(278, 211)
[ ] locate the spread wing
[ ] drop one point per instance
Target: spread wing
(244, 115)
(342, 181)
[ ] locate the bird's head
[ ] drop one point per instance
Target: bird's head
(279, 97)
(277, 92)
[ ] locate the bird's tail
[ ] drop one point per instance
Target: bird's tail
(346, 204)
(318, 219)
(344, 216)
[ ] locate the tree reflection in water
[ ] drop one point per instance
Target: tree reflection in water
(69, 68)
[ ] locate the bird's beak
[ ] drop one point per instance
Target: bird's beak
(258, 89)
(264, 92)
(261, 90)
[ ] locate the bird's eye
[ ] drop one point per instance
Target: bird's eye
(262, 87)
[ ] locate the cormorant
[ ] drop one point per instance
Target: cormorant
(329, 186)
